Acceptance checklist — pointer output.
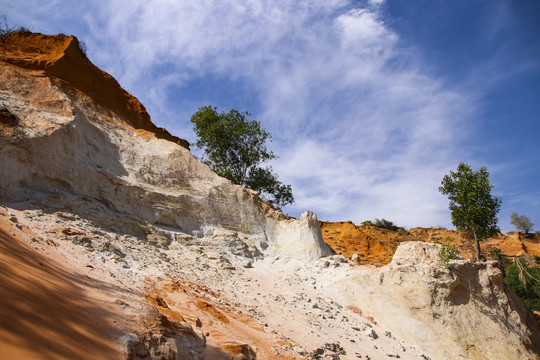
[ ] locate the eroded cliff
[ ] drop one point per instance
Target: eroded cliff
(376, 245)
(77, 134)
(170, 261)
(61, 58)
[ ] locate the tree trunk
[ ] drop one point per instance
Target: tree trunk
(477, 246)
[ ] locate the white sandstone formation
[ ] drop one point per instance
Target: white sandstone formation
(463, 311)
(68, 145)
(300, 238)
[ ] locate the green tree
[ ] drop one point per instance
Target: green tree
(522, 223)
(235, 148)
(474, 209)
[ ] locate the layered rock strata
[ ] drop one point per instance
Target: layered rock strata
(74, 133)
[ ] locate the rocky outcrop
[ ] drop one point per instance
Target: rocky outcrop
(303, 237)
(463, 311)
(375, 245)
(60, 57)
(372, 245)
(165, 339)
(71, 132)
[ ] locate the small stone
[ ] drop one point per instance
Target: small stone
(123, 304)
(130, 338)
(372, 334)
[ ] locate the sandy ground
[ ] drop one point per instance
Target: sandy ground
(49, 310)
(72, 290)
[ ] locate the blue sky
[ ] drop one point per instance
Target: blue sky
(370, 103)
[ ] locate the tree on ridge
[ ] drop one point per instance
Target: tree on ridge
(235, 148)
(474, 209)
(521, 222)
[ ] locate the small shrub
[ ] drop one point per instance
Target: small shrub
(6, 29)
(495, 254)
(367, 222)
(448, 251)
(525, 281)
(385, 224)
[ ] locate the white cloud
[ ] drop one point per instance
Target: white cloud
(362, 30)
(361, 132)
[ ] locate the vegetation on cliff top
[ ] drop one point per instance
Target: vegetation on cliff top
(235, 148)
(524, 279)
(6, 29)
(521, 222)
(474, 209)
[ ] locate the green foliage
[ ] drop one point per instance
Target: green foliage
(367, 222)
(235, 147)
(473, 207)
(495, 254)
(448, 251)
(524, 280)
(522, 223)
(385, 224)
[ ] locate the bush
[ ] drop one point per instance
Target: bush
(525, 281)
(448, 251)
(385, 224)
(6, 29)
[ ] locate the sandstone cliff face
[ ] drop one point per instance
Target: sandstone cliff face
(376, 246)
(61, 58)
(77, 134)
(178, 263)
(373, 245)
(463, 311)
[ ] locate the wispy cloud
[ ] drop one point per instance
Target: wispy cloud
(360, 130)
